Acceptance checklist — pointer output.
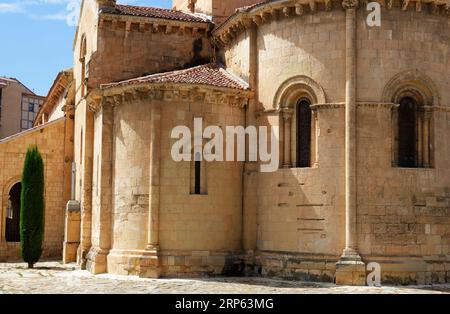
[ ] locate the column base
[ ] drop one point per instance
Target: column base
(150, 263)
(70, 250)
(96, 261)
(350, 269)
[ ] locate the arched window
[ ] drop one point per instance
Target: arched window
(407, 133)
(303, 133)
(198, 175)
(413, 134)
(12, 230)
(296, 100)
(415, 97)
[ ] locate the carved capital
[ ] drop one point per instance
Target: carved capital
(350, 4)
(287, 114)
(299, 9)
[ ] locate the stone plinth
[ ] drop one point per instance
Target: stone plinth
(72, 232)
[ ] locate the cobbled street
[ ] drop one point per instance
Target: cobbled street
(54, 277)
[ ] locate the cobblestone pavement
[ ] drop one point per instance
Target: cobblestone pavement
(54, 277)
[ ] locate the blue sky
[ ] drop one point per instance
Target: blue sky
(36, 39)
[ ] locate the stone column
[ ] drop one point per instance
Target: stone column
(394, 135)
(250, 182)
(149, 263)
(350, 269)
(287, 118)
(426, 138)
(101, 243)
(315, 142)
(85, 184)
(420, 141)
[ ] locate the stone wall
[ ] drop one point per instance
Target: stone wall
(129, 48)
(312, 45)
(197, 233)
(50, 141)
(402, 214)
(237, 56)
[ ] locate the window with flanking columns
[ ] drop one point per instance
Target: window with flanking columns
(412, 125)
(414, 97)
(299, 128)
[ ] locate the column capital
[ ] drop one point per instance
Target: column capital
(287, 114)
(350, 4)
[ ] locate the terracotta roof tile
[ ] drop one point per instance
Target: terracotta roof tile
(157, 13)
(208, 74)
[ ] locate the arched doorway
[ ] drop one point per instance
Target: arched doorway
(12, 232)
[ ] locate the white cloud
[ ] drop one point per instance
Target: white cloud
(60, 10)
(10, 7)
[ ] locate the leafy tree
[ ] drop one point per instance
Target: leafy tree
(32, 207)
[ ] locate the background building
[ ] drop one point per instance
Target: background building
(18, 107)
(53, 135)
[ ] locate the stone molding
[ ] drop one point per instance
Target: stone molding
(413, 83)
(168, 93)
(154, 25)
(294, 88)
(376, 105)
(365, 105)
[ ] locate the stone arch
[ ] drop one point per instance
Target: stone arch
(9, 184)
(414, 84)
(295, 88)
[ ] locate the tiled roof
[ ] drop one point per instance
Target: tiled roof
(157, 13)
(208, 74)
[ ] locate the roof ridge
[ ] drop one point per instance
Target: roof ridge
(156, 12)
(145, 7)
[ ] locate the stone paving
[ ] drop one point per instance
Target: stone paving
(54, 277)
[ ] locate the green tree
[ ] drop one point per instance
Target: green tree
(32, 207)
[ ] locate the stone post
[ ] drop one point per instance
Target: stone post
(71, 232)
(350, 269)
(149, 263)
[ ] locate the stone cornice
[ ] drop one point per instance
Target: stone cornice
(169, 93)
(279, 9)
(336, 105)
(154, 25)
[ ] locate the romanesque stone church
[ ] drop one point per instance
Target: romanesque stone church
(363, 117)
